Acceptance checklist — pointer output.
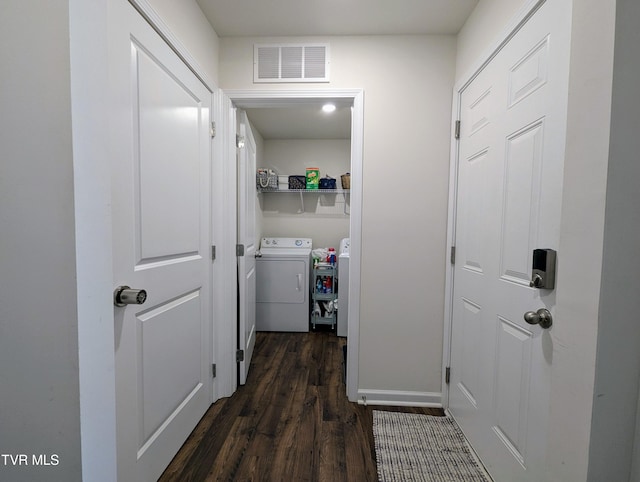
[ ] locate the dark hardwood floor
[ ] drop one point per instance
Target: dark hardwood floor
(290, 422)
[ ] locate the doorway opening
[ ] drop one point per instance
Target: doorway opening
(256, 103)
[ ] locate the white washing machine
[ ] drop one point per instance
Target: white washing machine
(282, 284)
(343, 287)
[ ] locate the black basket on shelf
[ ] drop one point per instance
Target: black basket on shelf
(297, 182)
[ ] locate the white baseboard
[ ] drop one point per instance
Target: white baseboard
(398, 398)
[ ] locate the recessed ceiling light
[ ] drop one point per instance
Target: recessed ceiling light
(328, 108)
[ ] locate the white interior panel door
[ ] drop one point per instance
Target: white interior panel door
(247, 238)
(161, 231)
(510, 169)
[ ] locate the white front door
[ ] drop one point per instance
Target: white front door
(510, 169)
(247, 239)
(161, 209)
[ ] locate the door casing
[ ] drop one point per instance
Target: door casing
(279, 98)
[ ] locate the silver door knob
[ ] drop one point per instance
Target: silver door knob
(124, 295)
(541, 317)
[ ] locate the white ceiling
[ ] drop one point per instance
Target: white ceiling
(301, 122)
(278, 18)
(264, 18)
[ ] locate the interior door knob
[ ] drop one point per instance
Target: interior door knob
(541, 317)
(124, 295)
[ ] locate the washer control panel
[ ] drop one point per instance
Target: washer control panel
(344, 246)
(286, 243)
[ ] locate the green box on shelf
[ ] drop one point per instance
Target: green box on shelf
(313, 177)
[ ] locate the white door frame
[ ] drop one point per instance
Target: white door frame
(519, 19)
(279, 98)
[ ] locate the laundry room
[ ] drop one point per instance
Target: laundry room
(303, 159)
(290, 140)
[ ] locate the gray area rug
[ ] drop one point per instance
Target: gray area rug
(415, 447)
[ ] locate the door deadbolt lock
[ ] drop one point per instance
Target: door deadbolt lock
(536, 281)
(543, 273)
(124, 295)
(541, 317)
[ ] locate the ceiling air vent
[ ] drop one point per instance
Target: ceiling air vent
(291, 63)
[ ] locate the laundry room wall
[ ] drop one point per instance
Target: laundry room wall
(325, 219)
(407, 84)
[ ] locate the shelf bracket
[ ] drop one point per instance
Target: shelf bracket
(301, 204)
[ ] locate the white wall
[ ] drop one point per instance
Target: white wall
(407, 84)
(480, 31)
(324, 220)
(615, 399)
(575, 333)
(56, 316)
(39, 401)
(635, 465)
(187, 22)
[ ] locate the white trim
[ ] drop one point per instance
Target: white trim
(397, 398)
(278, 98)
(451, 241)
(355, 249)
(224, 238)
(91, 142)
(512, 27)
(281, 98)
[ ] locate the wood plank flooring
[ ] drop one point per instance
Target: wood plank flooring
(290, 422)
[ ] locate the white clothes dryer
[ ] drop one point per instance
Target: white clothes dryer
(343, 287)
(282, 284)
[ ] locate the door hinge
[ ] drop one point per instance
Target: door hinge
(447, 375)
(457, 130)
(453, 255)
(213, 370)
(239, 249)
(212, 131)
(239, 356)
(213, 253)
